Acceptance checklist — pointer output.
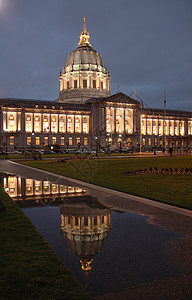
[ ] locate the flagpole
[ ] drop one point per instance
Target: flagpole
(164, 121)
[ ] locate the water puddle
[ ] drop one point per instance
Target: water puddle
(106, 250)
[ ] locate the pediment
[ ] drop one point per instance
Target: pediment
(121, 98)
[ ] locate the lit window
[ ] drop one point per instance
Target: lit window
(28, 118)
(36, 106)
(155, 141)
(84, 83)
(78, 140)
(54, 140)
(12, 140)
(11, 117)
(85, 125)
(45, 106)
(28, 140)
(53, 119)
(45, 119)
(143, 141)
(46, 140)
(77, 124)
(70, 141)
(36, 118)
(75, 84)
(149, 141)
(70, 125)
(62, 140)
(37, 140)
(85, 141)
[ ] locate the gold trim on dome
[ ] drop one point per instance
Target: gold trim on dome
(84, 36)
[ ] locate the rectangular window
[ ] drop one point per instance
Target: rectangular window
(70, 124)
(46, 140)
(67, 84)
(76, 221)
(70, 141)
(101, 85)
(54, 124)
(54, 140)
(85, 141)
(85, 124)
(143, 141)
(84, 83)
(94, 84)
(28, 141)
(62, 140)
(78, 141)
(75, 84)
(37, 140)
(28, 123)
(155, 141)
(37, 123)
(78, 124)
(149, 141)
(119, 120)
(62, 123)
(11, 140)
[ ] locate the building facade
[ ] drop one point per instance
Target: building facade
(85, 115)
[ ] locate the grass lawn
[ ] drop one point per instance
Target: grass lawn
(29, 268)
(111, 173)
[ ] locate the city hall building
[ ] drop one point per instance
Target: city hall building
(86, 115)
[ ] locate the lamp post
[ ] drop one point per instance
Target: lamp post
(96, 143)
(120, 143)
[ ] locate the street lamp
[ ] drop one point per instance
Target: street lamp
(96, 143)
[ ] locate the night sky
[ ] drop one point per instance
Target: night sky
(146, 45)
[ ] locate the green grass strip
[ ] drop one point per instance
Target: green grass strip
(29, 269)
(111, 173)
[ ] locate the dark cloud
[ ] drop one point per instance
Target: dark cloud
(146, 45)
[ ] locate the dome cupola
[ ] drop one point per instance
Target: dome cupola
(84, 75)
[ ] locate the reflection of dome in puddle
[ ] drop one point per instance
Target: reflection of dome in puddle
(85, 226)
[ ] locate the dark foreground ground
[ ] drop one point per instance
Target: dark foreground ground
(177, 287)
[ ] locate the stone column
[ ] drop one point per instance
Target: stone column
(41, 122)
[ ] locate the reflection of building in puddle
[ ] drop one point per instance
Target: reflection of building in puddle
(85, 225)
(29, 192)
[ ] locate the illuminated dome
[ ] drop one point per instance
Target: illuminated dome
(84, 75)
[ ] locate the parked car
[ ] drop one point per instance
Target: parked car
(2, 152)
(14, 152)
(59, 151)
